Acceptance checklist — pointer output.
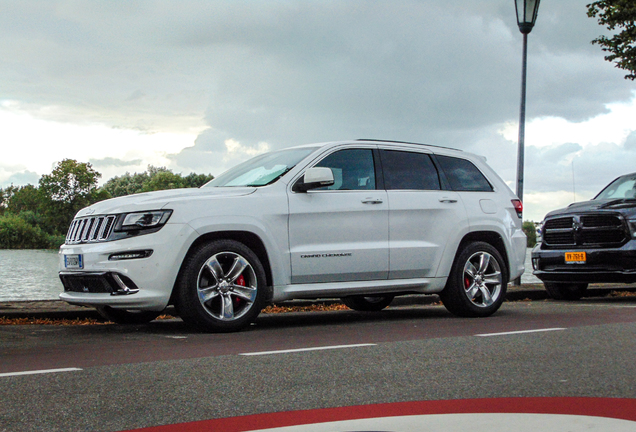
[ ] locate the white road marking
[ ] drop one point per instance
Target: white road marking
(606, 305)
(306, 349)
(35, 372)
(520, 332)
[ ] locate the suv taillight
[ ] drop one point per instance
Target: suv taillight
(518, 205)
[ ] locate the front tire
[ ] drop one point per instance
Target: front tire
(367, 303)
(123, 316)
(221, 287)
(477, 283)
(565, 291)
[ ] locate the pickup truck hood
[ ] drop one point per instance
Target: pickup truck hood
(159, 199)
(623, 205)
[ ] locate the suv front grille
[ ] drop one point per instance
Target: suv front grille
(90, 229)
(593, 230)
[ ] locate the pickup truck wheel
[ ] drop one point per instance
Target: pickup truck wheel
(565, 291)
(477, 283)
(221, 287)
(367, 303)
(123, 316)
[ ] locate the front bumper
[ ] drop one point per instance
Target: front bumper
(601, 266)
(140, 283)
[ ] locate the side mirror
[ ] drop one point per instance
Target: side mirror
(314, 178)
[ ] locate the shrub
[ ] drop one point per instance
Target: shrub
(16, 233)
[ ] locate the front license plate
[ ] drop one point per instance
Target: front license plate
(73, 261)
(575, 257)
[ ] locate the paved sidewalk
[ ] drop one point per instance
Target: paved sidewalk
(56, 309)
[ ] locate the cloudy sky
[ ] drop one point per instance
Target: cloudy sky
(201, 85)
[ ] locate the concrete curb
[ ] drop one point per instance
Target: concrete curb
(56, 309)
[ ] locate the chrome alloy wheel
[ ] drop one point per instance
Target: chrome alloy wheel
(227, 286)
(482, 279)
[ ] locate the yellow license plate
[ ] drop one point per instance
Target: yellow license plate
(575, 257)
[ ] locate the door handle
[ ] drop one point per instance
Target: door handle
(372, 201)
(447, 200)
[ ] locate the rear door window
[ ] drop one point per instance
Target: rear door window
(463, 175)
(409, 171)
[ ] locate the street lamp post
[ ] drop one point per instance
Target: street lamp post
(526, 17)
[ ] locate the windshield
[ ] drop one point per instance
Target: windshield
(263, 169)
(621, 188)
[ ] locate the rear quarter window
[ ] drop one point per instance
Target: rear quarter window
(463, 175)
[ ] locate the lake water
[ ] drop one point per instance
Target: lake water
(29, 275)
(32, 275)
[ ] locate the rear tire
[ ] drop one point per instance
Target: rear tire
(565, 291)
(477, 283)
(367, 303)
(221, 287)
(123, 316)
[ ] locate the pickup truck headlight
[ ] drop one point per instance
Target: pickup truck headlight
(141, 221)
(632, 227)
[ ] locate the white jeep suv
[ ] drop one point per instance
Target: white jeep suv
(362, 220)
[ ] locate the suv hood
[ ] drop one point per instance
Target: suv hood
(159, 199)
(626, 205)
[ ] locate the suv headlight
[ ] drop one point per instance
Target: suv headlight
(142, 221)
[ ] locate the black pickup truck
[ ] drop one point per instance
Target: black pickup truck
(591, 241)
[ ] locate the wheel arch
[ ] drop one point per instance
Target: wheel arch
(249, 239)
(490, 237)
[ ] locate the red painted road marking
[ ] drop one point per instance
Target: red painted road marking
(614, 408)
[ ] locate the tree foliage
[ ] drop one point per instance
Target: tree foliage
(70, 187)
(70, 182)
(17, 233)
(617, 15)
(33, 217)
(155, 178)
(531, 233)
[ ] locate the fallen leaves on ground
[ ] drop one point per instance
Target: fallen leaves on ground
(94, 321)
(318, 307)
(622, 294)
(51, 321)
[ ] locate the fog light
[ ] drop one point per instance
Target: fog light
(130, 255)
(535, 263)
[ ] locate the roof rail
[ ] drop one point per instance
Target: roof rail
(407, 142)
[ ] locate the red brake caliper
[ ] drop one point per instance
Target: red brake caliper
(239, 281)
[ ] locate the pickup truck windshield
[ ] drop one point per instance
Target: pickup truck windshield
(622, 188)
(261, 170)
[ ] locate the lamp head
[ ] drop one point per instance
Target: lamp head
(526, 14)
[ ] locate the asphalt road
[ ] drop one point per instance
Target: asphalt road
(113, 378)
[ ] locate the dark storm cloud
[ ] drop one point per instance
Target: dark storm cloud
(296, 72)
(291, 72)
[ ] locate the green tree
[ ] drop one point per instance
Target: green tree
(194, 180)
(155, 178)
(22, 198)
(163, 180)
(16, 233)
(531, 233)
(617, 15)
(70, 187)
(126, 184)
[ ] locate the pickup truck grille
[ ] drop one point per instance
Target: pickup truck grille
(90, 229)
(590, 231)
